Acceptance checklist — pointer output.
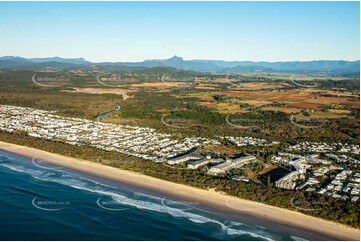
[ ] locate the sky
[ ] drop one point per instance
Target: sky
(135, 31)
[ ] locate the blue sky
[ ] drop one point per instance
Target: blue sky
(134, 31)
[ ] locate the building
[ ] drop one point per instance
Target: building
(183, 158)
(287, 182)
(198, 163)
(231, 164)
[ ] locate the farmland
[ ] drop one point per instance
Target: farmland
(206, 100)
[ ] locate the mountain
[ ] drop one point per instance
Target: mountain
(324, 66)
(76, 61)
(251, 66)
(15, 59)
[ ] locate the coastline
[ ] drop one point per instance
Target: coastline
(312, 228)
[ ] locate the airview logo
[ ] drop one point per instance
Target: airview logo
(40, 79)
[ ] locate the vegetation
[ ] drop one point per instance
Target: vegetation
(148, 106)
(324, 207)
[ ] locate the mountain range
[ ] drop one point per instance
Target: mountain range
(325, 66)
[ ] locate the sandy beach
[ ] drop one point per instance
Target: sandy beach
(304, 226)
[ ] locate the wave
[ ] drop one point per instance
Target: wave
(139, 200)
(179, 213)
(22, 169)
(6, 158)
(297, 238)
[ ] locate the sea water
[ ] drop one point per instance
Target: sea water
(39, 201)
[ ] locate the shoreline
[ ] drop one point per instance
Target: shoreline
(276, 218)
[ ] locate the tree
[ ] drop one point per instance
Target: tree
(269, 184)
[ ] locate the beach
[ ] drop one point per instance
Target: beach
(305, 226)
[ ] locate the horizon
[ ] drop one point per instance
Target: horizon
(158, 59)
(137, 31)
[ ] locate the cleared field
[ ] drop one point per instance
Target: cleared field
(321, 115)
(263, 98)
(228, 108)
(353, 104)
(204, 96)
(265, 94)
(256, 102)
(260, 85)
(331, 92)
(161, 85)
(207, 104)
(293, 99)
(327, 100)
(281, 109)
(339, 111)
(207, 86)
(117, 91)
(303, 106)
(214, 80)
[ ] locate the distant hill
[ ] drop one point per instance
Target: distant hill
(242, 66)
(325, 66)
(76, 61)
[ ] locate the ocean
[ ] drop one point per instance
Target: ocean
(39, 201)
